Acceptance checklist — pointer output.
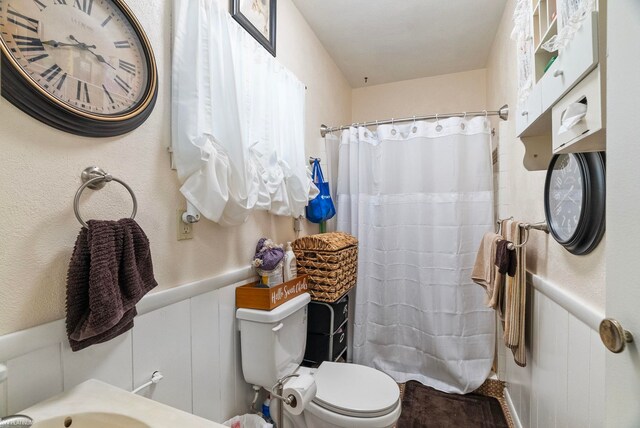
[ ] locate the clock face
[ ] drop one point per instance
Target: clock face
(565, 197)
(575, 200)
(84, 53)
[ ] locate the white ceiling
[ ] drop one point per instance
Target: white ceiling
(392, 40)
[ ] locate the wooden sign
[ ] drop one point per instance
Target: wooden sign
(252, 297)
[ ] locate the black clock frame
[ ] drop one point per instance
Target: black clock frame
(591, 225)
(19, 89)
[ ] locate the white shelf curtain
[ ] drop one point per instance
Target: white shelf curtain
(571, 14)
(237, 119)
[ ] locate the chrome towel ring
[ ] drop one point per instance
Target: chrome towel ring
(96, 178)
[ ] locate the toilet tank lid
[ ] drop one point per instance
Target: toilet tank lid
(276, 314)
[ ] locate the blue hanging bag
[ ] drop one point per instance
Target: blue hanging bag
(321, 208)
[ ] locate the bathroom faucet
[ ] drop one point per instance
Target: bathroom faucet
(16, 421)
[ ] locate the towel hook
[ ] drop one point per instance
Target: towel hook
(526, 239)
(499, 223)
(96, 178)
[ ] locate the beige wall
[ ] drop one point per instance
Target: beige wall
(39, 175)
(448, 93)
(521, 192)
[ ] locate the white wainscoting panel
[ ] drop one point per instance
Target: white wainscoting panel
(3, 399)
(578, 393)
(109, 362)
(235, 391)
(34, 377)
(596, 381)
(205, 359)
(189, 333)
(162, 341)
(563, 382)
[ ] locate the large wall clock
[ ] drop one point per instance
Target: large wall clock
(82, 66)
(574, 200)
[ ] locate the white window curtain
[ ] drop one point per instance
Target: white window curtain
(419, 198)
(237, 119)
(571, 14)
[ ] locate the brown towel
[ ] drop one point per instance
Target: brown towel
(109, 272)
(484, 270)
(506, 259)
(515, 297)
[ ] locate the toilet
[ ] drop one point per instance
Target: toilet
(348, 395)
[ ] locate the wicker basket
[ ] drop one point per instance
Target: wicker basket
(331, 261)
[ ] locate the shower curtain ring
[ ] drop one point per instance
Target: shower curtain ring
(438, 126)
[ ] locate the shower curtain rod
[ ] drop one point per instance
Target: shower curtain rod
(503, 113)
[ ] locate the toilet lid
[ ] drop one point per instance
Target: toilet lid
(355, 390)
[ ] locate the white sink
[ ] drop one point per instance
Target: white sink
(95, 404)
(95, 419)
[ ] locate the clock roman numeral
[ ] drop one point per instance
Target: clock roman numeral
(128, 67)
(40, 5)
(122, 45)
(51, 72)
(28, 44)
(61, 81)
(106, 21)
(108, 95)
(82, 92)
(85, 7)
(60, 2)
(38, 58)
(123, 84)
(22, 21)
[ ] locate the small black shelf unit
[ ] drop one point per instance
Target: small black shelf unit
(327, 331)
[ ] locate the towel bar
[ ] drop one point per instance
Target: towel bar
(96, 178)
(527, 227)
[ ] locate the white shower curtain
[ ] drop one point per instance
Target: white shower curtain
(419, 198)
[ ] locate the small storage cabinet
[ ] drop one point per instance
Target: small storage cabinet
(327, 331)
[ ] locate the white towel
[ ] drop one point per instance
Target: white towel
(485, 272)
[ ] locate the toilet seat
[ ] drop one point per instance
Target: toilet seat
(355, 390)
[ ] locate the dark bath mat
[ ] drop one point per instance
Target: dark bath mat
(425, 407)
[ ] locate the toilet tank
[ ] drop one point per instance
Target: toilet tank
(272, 342)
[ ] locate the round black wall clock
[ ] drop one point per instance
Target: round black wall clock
(574, 200)
(82, 66)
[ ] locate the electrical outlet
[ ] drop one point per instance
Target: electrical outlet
(185, 230)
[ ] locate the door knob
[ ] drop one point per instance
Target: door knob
(614, 337)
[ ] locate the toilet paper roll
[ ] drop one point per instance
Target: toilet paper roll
(303, 390)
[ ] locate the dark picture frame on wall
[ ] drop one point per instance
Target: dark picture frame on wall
(258, 17)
